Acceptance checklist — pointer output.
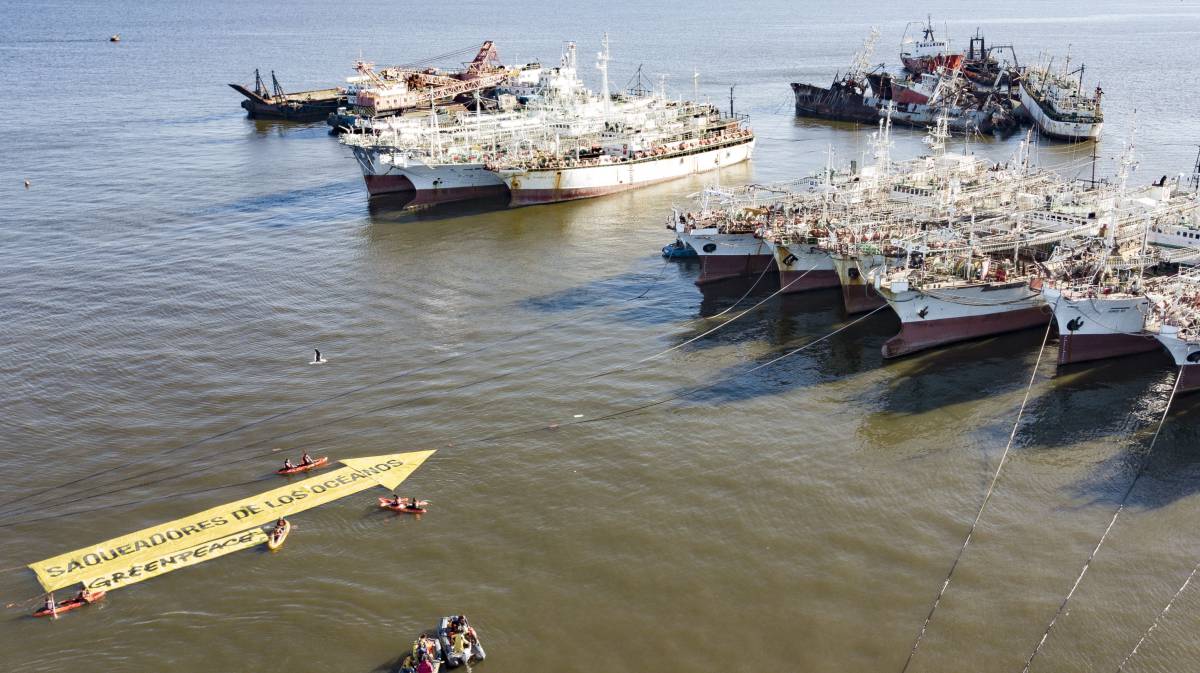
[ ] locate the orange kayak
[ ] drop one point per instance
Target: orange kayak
(404, 505)
(68, 605)
(319, 462)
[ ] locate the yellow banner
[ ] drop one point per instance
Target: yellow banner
(131, 573)
(167, 539)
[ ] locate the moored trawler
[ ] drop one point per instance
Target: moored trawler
(1057, 105)
(933, 314)
(1094, 324)
(803, 265)
(727, 254)
(928, 54)
(698, 140)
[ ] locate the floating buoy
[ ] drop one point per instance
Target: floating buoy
(115, 38)
(26, 184)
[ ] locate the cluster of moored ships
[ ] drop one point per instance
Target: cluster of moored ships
(960, 248)
(983, 89)
(957, 246)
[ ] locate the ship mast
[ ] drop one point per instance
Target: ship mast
(602, 66)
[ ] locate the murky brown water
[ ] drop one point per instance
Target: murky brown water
(173, 264)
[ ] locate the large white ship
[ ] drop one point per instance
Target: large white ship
(1058, 106)
(696, 141)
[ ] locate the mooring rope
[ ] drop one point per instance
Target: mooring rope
(492, 437)
(1161, 614)
(1120, 508)
(94, 475)
(986, 497)
(727, 322)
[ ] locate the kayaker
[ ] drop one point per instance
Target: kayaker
(279, 528)
(51, 606)
(317, 356)
(288, 464)
(306, 459)
(84, 595)
(413, 503)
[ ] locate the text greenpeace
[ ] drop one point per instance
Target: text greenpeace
(136, 572)
(167, 539)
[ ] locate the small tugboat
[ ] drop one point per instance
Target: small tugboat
(52, 609)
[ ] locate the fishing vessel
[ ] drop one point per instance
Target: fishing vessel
(1057, 105)
(678, 139)
(928, 53)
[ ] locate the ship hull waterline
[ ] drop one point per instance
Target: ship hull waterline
(536, 187)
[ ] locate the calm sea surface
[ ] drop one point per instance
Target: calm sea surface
(174, 263)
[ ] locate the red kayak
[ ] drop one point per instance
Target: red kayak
(68, 605)
(319, 462)
(404, 505)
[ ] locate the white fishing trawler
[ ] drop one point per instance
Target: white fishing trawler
(1055, 101)
(683, 139)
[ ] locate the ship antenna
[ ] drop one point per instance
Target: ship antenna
(1195, 181)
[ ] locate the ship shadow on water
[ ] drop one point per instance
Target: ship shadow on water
(1133, 407)
(286, 199)
(399, 208)
(787, 324)
(954, 374)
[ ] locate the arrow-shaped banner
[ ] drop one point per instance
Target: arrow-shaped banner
(112, 561)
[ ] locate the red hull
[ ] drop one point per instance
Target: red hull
(1084, 347)
(917, 336)
(1189, 379)
(813, 280)
(398, 184)
(860, 298)
(925, 64)
(715, 268)
(388, 184)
